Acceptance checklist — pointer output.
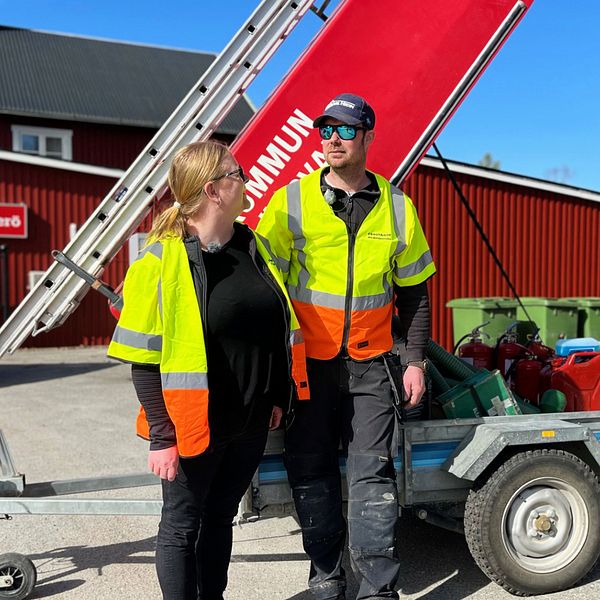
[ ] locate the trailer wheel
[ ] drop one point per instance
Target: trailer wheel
(534, 526)
(17, 576)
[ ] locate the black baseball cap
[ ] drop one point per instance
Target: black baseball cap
(350, 109)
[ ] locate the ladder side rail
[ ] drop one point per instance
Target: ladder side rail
(235, 55)
(69, 291)
(265, 43)
(56, 277)
(462, 89)
(214, 110)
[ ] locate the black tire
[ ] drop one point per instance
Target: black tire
(23, 573)
(528, 554)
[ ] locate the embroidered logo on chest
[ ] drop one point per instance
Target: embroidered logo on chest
(376, 235)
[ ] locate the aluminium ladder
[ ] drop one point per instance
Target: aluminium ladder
(60, 290)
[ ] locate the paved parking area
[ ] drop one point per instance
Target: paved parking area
(69, 413)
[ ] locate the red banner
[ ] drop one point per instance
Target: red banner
(13, 221)
(414, 62)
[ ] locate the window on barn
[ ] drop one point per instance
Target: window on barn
(42, 141)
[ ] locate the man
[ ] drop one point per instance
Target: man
(347, 242)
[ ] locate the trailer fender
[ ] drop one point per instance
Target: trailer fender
(485, 442)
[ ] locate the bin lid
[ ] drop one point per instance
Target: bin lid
(483, 303)
(587, 301)
(535, 301)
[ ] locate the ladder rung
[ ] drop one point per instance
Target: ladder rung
(59, 292)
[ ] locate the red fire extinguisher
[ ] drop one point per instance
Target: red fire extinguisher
(509, 351)
(539, 350)
(526, 380)
(476, 351)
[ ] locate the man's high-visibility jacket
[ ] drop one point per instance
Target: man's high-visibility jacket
(161, 325)
(342, 284)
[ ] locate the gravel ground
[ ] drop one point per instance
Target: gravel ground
(69, 413)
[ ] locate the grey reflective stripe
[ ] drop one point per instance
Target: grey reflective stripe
(399, 208)
(369, 302)
(135, 339)
(334, 301)
(156, 249)
(294, 202)
(282, 264)
(414, 268)
(160, 300)
(301, 294)
(295, 212)
(296, 337)
(184, 381)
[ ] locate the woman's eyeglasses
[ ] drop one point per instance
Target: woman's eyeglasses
(346, 132)
(239, 172)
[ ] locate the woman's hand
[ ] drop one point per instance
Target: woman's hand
(164, 462)
(275, 418)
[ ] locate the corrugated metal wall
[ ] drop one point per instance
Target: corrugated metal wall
(548, 242)
(55, 199)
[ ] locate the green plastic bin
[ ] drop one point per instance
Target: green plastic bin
(556, 317)
(588, 316)
(468, 313)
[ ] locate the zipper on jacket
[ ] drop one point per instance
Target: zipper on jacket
(199, 279)
(266, 275)
(349, 295)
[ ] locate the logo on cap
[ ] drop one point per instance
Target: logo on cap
(341, 103)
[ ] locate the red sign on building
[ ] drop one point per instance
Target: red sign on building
(13, 221)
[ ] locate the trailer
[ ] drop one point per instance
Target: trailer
(524, 490)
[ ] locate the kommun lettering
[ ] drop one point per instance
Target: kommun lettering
(278, 154)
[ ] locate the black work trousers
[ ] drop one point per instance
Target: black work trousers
(195, 533)
(350, 402)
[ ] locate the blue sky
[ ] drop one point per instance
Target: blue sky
(536, 109)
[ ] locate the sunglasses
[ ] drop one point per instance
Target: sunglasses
(239, 172)
(345, 132)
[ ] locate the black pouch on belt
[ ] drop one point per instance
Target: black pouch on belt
(395, 370)
(396, 361)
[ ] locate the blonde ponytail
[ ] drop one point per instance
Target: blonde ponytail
(192, 168)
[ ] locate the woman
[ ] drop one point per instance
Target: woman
(216, 350)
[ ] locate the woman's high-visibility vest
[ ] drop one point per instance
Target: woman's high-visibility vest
(161, 325)
(341, 284)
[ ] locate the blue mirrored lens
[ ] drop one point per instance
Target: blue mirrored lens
(346, 132)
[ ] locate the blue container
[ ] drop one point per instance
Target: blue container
(586, 344)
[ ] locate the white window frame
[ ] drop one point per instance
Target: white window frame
(66, 135)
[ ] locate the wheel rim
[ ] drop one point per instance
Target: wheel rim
(545, 525)
(17, 576)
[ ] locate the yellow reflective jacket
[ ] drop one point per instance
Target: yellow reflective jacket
(341, 284)
(161, 325)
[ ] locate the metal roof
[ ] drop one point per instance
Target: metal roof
(61, 76)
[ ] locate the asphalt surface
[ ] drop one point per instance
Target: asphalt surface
(69, 413)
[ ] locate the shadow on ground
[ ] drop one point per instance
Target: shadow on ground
(55, 565)
(430, 558)
(23, 374)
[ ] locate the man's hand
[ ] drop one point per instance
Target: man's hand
(164, 462)
(414, 385)
(275, 418)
